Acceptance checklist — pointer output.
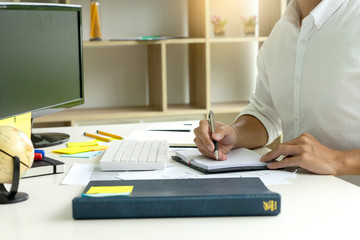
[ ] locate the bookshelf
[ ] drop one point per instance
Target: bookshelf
(197, 49)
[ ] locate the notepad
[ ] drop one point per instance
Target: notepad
(240, 159)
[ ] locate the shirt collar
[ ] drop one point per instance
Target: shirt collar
(325, 10)
(321, 13)
(292, 14)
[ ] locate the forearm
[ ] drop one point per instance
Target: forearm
(250, 132)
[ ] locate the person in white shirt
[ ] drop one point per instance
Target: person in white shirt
(308, 89)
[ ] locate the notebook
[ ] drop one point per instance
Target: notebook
(45, 167)
(240, 159)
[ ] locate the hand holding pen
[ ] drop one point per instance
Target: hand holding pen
(212, 129)
(225, 136)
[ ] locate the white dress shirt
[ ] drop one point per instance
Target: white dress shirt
(309, 76)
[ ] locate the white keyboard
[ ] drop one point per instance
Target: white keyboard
(128, 154)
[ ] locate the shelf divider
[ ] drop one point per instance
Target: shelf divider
(199, 75)
(157, 76)
(197, 13)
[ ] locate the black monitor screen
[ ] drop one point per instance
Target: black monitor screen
(40, 58)
(41, 68)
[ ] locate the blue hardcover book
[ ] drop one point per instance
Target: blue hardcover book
(180, 198)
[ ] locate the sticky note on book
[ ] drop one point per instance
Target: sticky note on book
(108, 191)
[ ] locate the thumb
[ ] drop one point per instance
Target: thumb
(219, 133)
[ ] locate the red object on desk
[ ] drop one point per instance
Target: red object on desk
(38, 156)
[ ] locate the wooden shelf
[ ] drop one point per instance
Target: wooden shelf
(138, 112)
(236, 39)
(99, 114)
(119, 113)
(112, 43)
(198, 50)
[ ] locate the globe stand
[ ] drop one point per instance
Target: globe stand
(13, 196)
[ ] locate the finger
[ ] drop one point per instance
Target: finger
(202, 147)
(304, 138)
(222, 156)
(282, 149)
(202, 135)
(206, 151)
(219, 133)
(211, 154)
(293, 161)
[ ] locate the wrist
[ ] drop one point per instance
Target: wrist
(250, 132)
(237, 143)
(348, 163)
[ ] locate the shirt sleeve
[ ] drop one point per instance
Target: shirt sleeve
(261, 104)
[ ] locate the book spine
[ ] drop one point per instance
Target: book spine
(123, 207)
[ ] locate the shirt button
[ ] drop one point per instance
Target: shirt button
(303, 42)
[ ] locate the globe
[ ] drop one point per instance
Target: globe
(14, 142)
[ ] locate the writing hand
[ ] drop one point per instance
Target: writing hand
(224, 135)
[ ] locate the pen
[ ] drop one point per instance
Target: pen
(97, 137)
(170, 130)
(109, 134)
(212, 129)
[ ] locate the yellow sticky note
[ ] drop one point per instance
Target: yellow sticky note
(82, 144)
(22, 122)
(110, 189)
(74, 150)
(8, 122)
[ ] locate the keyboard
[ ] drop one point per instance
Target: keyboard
(129, 154)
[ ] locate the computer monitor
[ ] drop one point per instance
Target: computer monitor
(41, 69)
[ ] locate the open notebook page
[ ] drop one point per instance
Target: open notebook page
(240, 157)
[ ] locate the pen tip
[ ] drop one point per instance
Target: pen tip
(217, 155)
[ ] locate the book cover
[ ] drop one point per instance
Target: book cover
(180, 198)
(44, 167)
(240, 159)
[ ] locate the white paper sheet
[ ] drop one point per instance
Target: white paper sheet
(81, 174)
(177, 171)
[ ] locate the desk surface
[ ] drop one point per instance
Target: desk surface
(313, 207)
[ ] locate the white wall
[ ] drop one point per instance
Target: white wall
(114, 74)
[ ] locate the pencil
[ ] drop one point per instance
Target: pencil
(97, 137)
(109, 134)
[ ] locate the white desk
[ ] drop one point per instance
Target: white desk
(313, 207)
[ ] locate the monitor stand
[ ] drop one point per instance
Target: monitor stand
(47, 139)
(41, 140)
